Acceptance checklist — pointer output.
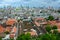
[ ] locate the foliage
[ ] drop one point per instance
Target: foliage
(50, 18)
(24, 37)
(55, 31)
(11, 39)
(48, 28)
(47, 36)
(58, 36)
(54, 27)
(0, 38)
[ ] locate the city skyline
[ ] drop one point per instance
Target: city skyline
(30, 3)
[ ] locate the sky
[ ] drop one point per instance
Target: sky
(30, 3)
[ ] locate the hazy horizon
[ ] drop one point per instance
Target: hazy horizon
(30, 3)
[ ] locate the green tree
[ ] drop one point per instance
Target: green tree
(45, 37)
(53, 37)
(48, 28)
(48, 37)
(58, 36)
(11, 39)
(55, 31)
(50, 18)
(24, 37)
(54, 27)
(0, 38)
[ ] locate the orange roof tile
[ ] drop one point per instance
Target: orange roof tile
(33, 33)
(43, 23)
(58, 25)
(38, 24)
(14, 29)
(10, 21)
(55, 23)
(58, 30)
(1, 29)
(52, 22)
(39, 18)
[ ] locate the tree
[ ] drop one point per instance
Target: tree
(48, 28)
(0, 38)
(45, 37)
(48, 37)
(34, 38)
(54, 27)
(58, 36)
(50, 18)
(55, 31)
(11, 39)
(53, 37)
(24, 37)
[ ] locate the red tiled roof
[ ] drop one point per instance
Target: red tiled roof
(39, 18)
(12, 35)
(43, 23)
(10, 21)
(55, 23)
(58, 25)
(58, 30)
(1, 29)
(52, 22)
(33, 33)
(14, 29)
(37, 24)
